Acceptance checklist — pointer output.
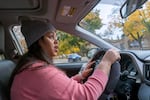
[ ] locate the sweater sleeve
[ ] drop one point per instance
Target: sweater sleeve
(69, 89)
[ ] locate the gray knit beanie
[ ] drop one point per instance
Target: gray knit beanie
(33, 30)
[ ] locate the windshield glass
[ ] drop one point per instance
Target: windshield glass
(132, 33)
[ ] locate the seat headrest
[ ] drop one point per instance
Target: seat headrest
(6, 68)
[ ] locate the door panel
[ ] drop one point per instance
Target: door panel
(70, 68)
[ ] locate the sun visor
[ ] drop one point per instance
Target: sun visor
(72, 10)
(19, 4)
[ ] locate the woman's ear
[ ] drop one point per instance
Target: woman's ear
(41, 42)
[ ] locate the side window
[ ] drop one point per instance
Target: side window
(19, 40)
(72, 49)
(2, 56)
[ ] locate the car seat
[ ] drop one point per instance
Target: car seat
(6, 67)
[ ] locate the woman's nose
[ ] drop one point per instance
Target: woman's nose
(56, 41)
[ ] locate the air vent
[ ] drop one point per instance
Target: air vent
(147, 72)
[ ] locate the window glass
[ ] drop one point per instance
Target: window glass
(2, 57)
(132, 33)
(72, 49)
(19, 40)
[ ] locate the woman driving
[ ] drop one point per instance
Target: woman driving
(37, 78)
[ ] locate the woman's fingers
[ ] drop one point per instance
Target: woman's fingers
(89, 64)
(111, 56)
(86, 72)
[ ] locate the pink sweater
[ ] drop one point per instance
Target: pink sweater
(49, 83)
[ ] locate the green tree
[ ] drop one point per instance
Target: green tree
(134, 28)
(92, 21)
(69, 44)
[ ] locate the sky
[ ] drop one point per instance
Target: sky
(105, 12)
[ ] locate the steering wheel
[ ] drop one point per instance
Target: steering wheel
(113, 76)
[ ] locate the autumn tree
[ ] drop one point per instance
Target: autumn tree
(92, 21)
(134, 28)
(70, 44)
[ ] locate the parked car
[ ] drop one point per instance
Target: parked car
(74, 57)
(71, 17)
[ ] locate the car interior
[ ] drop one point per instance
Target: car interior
(132, 78)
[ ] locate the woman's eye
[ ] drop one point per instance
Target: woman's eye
(51, 36)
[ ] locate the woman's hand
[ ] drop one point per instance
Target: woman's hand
(87, 70)
(108, 59)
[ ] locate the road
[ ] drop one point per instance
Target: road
(65, 60)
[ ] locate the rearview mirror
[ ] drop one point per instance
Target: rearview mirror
(130, 6)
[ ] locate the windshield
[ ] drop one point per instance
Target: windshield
(132, 33)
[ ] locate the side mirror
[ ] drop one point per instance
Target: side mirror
(130, 6)
(91, 52)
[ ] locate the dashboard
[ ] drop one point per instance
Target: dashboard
(135, 71)
(134, 75)
(136, 64)
(129, 66)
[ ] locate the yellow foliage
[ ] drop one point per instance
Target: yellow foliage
(90, 16)
(134, 26)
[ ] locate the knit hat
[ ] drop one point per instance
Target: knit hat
(33, 30)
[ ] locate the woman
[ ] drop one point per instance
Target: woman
(36, 78)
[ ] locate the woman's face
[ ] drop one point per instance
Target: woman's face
(49, 44)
